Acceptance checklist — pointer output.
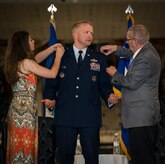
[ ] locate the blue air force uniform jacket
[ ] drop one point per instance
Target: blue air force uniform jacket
(77, 90)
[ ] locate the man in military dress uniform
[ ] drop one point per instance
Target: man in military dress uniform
(75, 93)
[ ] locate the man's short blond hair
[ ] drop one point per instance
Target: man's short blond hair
(78, 23)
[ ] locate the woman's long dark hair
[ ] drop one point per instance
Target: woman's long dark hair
(18, 49)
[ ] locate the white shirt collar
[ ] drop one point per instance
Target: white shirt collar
(76, 50)
(135, 54)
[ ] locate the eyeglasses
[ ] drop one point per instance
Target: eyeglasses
(127, 40)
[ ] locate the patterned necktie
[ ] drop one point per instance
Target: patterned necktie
(130, 61)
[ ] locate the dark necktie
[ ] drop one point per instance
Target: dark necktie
(80, 58)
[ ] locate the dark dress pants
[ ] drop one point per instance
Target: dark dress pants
(66, 139)
(142, 144)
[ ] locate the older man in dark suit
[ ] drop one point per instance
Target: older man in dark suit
(82, 79)
(139, 103)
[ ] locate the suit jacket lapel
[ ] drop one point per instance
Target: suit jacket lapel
(139, 54)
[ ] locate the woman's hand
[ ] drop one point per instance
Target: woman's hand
(60, 50)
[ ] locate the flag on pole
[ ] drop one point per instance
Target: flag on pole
(53, 37)
(52, 40)
(122, 68)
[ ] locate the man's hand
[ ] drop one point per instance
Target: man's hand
(111, 70)
(108, 49)
(49, 103)
(113, 99)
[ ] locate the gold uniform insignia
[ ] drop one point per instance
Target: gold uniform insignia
(94, 78)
